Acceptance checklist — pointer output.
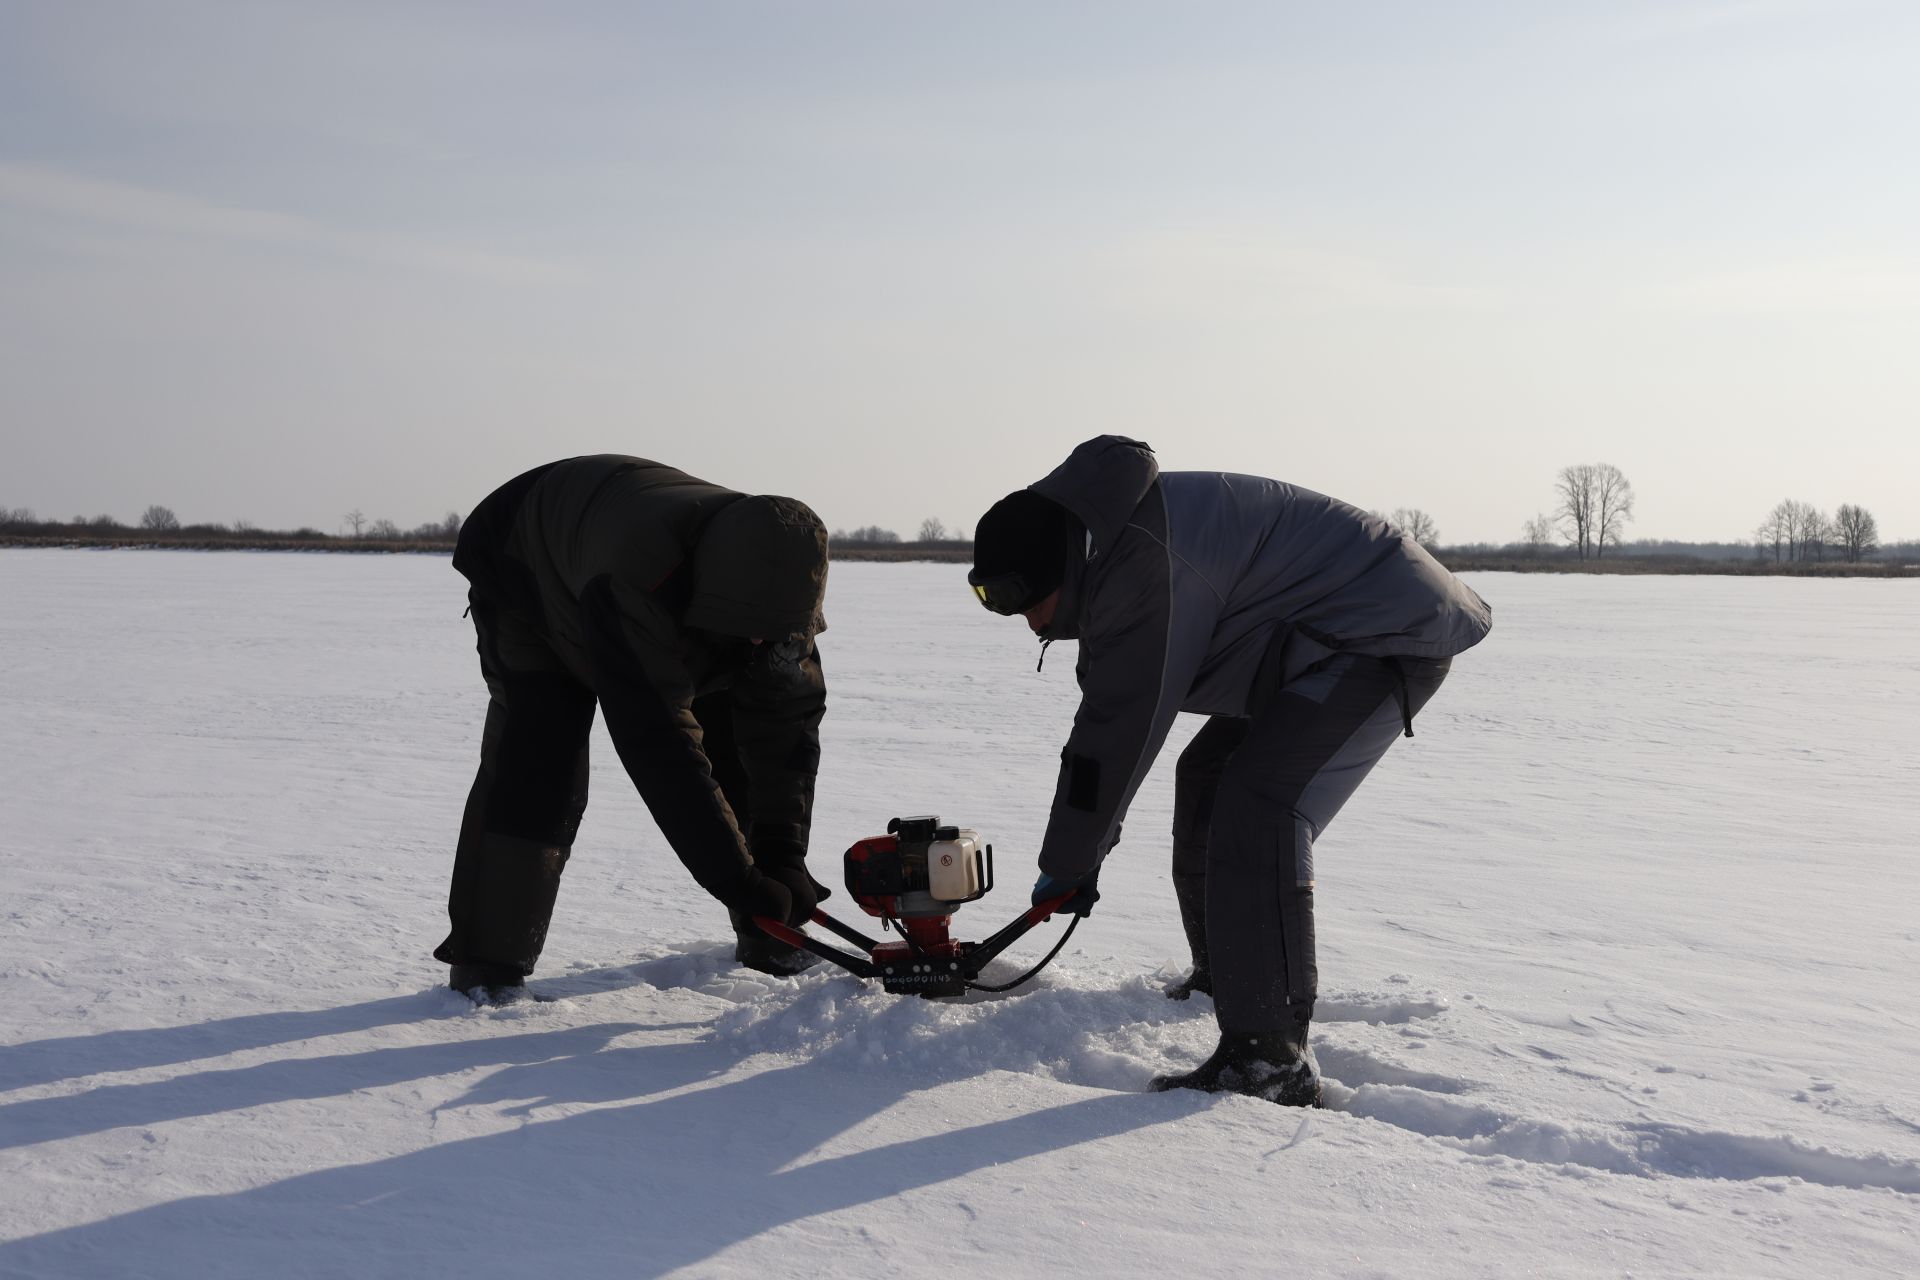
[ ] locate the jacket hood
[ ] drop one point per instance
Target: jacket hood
(1101, 482)
(760, 569)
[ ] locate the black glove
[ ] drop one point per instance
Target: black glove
(760, 894)
(1085, 890)
(782, 865)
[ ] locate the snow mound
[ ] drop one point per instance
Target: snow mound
(707, 968)
(1383, 1007)
(1081, 1025)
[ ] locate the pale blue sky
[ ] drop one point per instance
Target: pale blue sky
(277, 261)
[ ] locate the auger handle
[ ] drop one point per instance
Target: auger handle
(858, 966)
(979, 956)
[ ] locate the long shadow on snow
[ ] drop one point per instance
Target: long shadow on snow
(618, 1191)
(68, 1057)
(204, 1093)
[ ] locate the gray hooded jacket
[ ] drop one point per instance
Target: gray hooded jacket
(1200, 591)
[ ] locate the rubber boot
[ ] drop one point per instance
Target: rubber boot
(1276, 1066)
(761, 951)
(1191, 892)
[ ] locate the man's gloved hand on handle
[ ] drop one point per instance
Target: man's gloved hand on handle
(1085, 890)
(778, 886)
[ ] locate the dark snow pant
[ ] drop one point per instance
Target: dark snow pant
(531, 792)
(1250, 797)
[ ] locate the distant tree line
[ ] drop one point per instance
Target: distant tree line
(1801, 531)
(1594, 502)
(161, 522)
(932, 530)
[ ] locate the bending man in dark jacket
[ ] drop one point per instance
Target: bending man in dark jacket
(1308, 631)
(687, 612)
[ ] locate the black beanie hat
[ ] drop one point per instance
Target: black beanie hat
(1023, 534)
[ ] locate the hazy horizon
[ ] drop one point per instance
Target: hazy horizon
(277, 262)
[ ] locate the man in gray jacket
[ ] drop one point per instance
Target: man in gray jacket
(1309, 632)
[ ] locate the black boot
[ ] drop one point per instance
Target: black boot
(761, 951)
(1191, 892)
(1199, 980)
(488, 983)
(1274, 1065)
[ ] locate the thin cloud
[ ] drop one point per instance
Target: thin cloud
(115, 204)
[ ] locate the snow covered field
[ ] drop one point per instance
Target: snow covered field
(1619, 960)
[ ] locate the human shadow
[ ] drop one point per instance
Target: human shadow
(71, 1057)
(202, 1093)
(615, 1190)
(36, 1062)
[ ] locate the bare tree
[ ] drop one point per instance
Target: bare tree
(18, 515)
(1575, 513)
(450, 524)
(1612, 507)
(383, 529)
(1537, 533)
(1856, 531)
(356, 520)
(1417, 525)
(1596, 502)
(1778, 528)
(868, 533)
(159, 519)
(1816, 532)
(931, 530)
(1804, 526)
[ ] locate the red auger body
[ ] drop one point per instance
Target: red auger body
(912, 878)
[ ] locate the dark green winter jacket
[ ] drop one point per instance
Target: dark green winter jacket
(650, 585)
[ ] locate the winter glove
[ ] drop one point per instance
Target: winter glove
(760, 894)
(1085, 890)
(783, 863)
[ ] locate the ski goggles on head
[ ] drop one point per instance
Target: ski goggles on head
(1006, 593)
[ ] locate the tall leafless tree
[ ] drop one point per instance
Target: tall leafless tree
(932, 530)
(1612, 506)
(1816, 534)
(159, 519)
(356, 521)
(1596, 502)
(1538, 533)
(1856, 531)
(1804, 525)
(1417, 525)
(1778, 529)
(1575, 513)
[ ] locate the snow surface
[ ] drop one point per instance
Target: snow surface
(1619, 956)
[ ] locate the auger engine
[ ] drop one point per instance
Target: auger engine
(913, 879)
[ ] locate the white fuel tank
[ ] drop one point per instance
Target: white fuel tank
(956, 868)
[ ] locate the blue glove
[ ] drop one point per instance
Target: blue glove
(1085, 890)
